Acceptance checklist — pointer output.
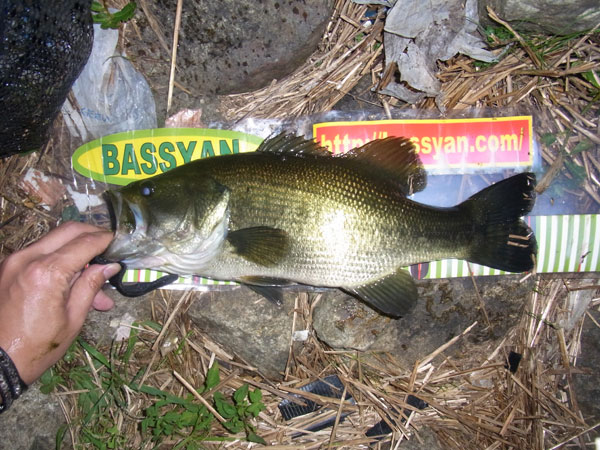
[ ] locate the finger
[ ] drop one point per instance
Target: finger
(85, 290)
(102, 302)
(60, 235)
(75, 254)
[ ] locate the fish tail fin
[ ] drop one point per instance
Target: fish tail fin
(501, 239)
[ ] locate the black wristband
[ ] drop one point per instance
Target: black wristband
(11, 384)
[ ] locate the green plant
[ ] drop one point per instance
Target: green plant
(106, 385)
(106, 19)
(246, 405)
(171, 415)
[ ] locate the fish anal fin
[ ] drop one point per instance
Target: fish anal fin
(265, 246)
(269, 288)
(394, 295)
(396, 158)
(265, 281)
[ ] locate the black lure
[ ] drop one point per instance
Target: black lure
(134, 289)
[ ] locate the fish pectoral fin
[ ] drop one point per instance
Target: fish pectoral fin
(265, 246)
(394, 295)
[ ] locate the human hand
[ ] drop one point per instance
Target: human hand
(46, 294)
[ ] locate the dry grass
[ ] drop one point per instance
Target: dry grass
(474, 401)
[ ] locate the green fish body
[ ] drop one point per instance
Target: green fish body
(292, 213)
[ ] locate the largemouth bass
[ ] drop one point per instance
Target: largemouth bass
(293, 213)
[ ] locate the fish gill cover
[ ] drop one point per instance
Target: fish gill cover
(44, 46)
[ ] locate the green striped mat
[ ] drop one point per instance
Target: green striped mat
(567, 243)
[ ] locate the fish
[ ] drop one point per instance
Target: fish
(293, 213)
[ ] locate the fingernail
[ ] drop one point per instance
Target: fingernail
(110, 270)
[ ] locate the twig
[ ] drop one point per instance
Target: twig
(174, 52)
(587, 430)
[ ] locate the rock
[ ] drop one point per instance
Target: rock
(445, 309)
(247, 325)
(586, 385)
(229, 46)
(549, 16)
(101, 326)
(344, 322)
(32, 422)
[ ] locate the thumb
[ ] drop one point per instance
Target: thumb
(85, 288)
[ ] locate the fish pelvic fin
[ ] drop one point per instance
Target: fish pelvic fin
(394, 295)
(501, 239)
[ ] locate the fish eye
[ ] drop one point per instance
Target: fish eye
(147, 188)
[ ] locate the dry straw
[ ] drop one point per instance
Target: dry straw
(474, 401)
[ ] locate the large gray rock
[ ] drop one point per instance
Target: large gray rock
(32, 422)
(551, 16)
(247, 325)
(341, 321)
(445, 309)
(228, 46)
(586, 384)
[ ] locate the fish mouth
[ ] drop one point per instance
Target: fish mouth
(128, 224)
(114, 205)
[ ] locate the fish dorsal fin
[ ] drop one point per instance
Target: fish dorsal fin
(394, 295)
(394, 158)
(287, 144)
(265, 246)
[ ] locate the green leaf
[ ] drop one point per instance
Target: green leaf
(60, 435)
(49, 380)
(151, 324)
(100, 18)
(255, 396)
(234, 425)
(591, 78)
(151, 390)
(126, 13)
(548, 139)
(93, 439)
(255, 408)
(582, 147)
(97, 7)
(95, 353)
(226, 409)
(106, 19)
(578, 172)
(239, 396)
(253, 437)
(212, 376)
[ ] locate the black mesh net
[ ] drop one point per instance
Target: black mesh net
(43, 48)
